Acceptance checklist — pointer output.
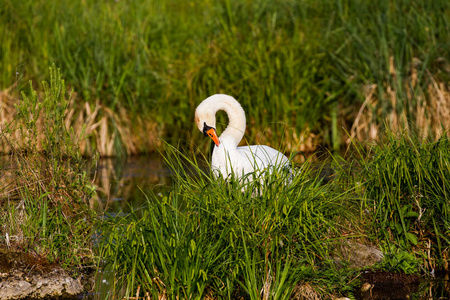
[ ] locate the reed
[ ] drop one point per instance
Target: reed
(308, 68)
(94, 128)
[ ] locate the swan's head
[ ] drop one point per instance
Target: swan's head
(205, 119)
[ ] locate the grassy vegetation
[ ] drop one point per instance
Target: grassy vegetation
(307, 66)
(301, 69)
(45, 188)
(407, 188)
(206, 238)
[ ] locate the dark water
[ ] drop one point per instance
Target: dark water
(386, 285)
(121, 187)
(122, 183)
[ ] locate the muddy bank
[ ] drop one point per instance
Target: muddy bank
(26, 275)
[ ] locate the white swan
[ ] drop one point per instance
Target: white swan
(227, 157)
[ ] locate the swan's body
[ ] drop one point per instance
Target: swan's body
(227, 157)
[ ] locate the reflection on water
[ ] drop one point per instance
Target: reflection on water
(398, 286)
(438, 288)
(121, 182)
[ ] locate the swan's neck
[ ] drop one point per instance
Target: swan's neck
(235, 130)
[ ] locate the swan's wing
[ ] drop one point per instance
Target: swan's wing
(246, 159)
(264, 156)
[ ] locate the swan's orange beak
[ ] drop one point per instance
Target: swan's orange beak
(212, 134)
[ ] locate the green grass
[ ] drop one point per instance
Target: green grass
(207, 238)
(45, 206)
(302, 64)
(407, 188)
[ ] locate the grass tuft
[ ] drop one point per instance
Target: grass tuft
(407, 185)
(207, 237)
(210, 238)
(45, 201)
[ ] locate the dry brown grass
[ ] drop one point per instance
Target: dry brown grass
(424, 112)
(304, 291)
(107, 130)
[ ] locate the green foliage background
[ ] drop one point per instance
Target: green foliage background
(286, 61)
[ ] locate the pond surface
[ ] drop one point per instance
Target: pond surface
(122, 183)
